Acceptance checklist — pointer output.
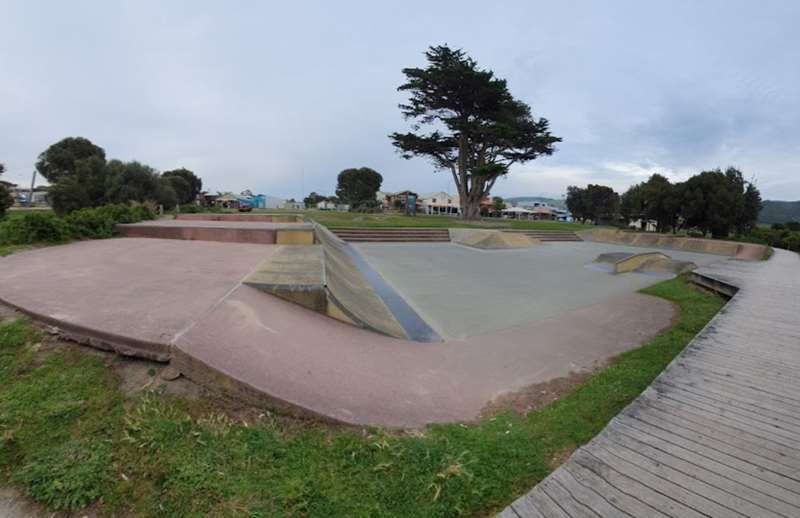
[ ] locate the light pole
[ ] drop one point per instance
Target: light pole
(30, 194)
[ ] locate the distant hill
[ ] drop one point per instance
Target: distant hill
(779, 212)
(553, 202)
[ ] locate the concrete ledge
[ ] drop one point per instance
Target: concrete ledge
(274, 218)
(226, 235)
(293, 273)
(744, 251)
(105, 341)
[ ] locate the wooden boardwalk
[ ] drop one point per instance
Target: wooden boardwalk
(717, 433)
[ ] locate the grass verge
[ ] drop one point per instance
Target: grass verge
(69, 438)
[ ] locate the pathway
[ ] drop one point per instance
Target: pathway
(717, 433)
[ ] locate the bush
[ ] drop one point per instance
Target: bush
(99, 223)
(34, 227)
(190, 208)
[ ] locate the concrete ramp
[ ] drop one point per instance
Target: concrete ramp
(491, 239)
(647, 262)
(360, 294)
(293, 273)
(744, 251)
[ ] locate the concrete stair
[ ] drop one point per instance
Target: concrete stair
(549, 235)
(393, 235)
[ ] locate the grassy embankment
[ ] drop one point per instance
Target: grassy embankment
(69, 437)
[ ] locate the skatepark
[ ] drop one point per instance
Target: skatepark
(287, 314)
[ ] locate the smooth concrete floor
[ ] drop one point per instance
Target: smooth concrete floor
(462, 291)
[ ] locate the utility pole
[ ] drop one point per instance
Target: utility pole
(30, 194)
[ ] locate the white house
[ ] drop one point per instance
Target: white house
(440, 203)
(329, 205)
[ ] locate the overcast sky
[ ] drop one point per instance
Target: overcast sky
(279, 97)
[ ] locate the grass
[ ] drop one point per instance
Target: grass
(10, 249)
(334, 219)
(68, 438)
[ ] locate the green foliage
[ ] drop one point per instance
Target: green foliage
(779, 236)
(498, 203)
(312, 199)
(358, 186)
(67, 439)
(187, 185)
(67, 476)
(596, 203)
(5, 195)
(61, 159)
(478, 128)
(34, 227)
(88, 223)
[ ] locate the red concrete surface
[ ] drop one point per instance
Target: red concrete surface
(144, 289)
(257, 232)
(357, 376)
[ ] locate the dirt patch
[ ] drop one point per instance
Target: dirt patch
(559, 458)
(537, 396)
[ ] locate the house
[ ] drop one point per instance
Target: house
(20, 195)
(293, 205)
(439, 203)
(398, 200)
(329, 205)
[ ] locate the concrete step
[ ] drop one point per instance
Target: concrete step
(393, 235)
(551, 236)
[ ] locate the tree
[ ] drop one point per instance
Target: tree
(660, 202)
(498, 203)
(312, 199)
(132, 181)
(61, 158)
(577, 203)
(5, 195)
(186, 193)
(603, 203)
(719, 202)
(479, 129)
(595, 202)
(358, 186)
(85, 186)
(180, 187)
(631, 204)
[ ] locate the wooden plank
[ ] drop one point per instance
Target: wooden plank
(565, 499)
(748, 493)
(700, 495)
(620, 500)
(721, 452)
(587, 497)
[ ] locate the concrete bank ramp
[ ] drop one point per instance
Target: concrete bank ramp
(491, 239)
(743, 251)
(358, 292)
(648, 263)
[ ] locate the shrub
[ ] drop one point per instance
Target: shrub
(34, 227)
(99, 223)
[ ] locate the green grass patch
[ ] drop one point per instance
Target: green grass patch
(67, 439)
(335, 219)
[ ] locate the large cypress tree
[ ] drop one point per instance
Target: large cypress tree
(477, 128)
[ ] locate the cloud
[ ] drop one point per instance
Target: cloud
(279, 98)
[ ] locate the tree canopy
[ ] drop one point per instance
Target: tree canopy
(80, 177)
(358, 186)
(596, 203)
(5, 195)
(186, 184)
(61, 159)
(477, 129)
(713, 202)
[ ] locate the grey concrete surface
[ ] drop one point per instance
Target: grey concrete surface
(268, 225)
(717, 433)
(463, 292)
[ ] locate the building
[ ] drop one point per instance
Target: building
(397, 200)
(20, 195)
(293, 205)
(439, 203)
(329, 205)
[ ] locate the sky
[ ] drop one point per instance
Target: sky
(278, 97)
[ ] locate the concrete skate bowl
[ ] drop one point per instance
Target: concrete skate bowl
(491, 239)
(742, 251)
(650, 263)
(194, 303)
